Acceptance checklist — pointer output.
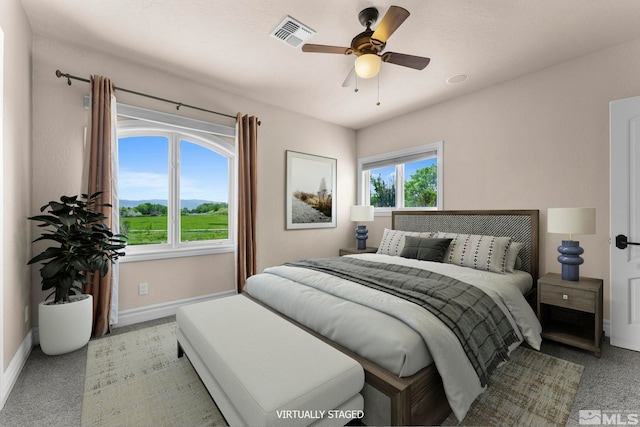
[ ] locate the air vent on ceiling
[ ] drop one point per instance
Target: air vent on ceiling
(292, 32)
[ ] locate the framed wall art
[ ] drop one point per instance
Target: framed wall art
(310, 191)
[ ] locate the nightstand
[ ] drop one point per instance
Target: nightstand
(571, 312)
(352, 251)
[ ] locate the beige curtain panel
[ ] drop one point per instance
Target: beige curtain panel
(247, 197)
(100, 179)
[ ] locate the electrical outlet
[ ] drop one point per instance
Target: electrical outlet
(26, 314)
(143, 289)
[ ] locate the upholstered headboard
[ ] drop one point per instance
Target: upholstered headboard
(521, 225)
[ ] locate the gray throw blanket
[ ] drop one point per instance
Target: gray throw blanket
(484, 331)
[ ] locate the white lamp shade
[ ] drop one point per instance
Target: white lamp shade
(361, 213)
(571, 220)
(368, 65)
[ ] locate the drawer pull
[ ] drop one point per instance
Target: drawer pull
(565, 296)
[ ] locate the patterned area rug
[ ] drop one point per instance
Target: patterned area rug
(136, 379)
(533, 389)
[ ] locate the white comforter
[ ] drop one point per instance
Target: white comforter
(460, 380)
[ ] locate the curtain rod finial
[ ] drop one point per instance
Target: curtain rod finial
(59, 74)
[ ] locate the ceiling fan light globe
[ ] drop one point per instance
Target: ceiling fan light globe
(368, 65)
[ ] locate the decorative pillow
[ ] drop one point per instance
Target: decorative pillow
(512, 256)
(488, 253)
(425, 249)
(393, 240)
(518, 265)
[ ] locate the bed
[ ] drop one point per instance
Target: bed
(405, 351)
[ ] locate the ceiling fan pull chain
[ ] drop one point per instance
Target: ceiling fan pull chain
(356, 89)
(378, 103)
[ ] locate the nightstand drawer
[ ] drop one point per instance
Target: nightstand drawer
(576, 299)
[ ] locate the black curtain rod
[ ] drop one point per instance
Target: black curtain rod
(60, 74)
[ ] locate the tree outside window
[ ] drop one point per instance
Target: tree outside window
(408, 178)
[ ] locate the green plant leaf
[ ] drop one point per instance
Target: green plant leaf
(67, 219)
(104, 269)
(46, 219)
(80, 263)
(48, 253)
(53, 267)
(69, 200)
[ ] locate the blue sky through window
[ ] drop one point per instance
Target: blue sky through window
(144, 165)
(411, 168)
(204, 174)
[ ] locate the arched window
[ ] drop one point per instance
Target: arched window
(175, 190)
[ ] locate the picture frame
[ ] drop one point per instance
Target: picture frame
(310, 191)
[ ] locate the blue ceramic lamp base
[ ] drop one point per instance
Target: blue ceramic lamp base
(570, 252)
(361, 236)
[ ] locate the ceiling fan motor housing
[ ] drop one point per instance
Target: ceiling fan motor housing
(363, 44)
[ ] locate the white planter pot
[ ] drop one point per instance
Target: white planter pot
(64, 328)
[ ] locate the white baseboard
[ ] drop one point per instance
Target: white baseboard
(12, 373)
(151, 312)
(606, 327)
(157, 311)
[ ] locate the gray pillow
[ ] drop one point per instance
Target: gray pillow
(393, 240)
(425, 249)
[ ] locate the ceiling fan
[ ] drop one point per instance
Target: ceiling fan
(369, 44)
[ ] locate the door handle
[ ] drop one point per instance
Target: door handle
(622, 242)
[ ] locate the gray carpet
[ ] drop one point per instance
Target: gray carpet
(611, 383)
(49, 390)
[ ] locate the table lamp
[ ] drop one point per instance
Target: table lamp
(361, 214)
(571, 221)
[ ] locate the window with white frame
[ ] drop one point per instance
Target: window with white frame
(403, 179)
(176, 190)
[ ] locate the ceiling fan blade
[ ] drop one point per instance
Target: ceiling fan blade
(411, 61)
(394, 17)
(351, 78)
(320, 48)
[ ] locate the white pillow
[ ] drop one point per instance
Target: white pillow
(488, 253)
(392, 241)
(512, 255)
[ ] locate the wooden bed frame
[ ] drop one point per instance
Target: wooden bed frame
(420, 399)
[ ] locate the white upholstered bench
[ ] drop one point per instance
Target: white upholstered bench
(264, 371)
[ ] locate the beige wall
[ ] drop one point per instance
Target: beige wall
(16, 175)
(535, 142)
(59, 121)
(175, 278)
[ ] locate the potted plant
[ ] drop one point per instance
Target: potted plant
(84, 246)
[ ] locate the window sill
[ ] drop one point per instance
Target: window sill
(152, 255)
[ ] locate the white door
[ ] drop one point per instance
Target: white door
(625, 223)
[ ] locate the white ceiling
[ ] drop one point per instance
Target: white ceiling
(227, 44)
